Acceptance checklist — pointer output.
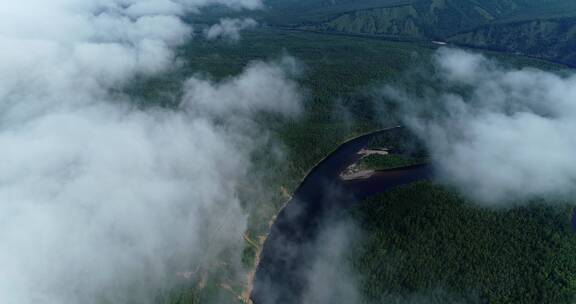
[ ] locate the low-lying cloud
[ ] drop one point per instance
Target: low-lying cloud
(331, 278)
(229, 29)
(100, 201)
(497, 133)
(250, 92)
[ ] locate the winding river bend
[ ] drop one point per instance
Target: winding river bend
(280, 277)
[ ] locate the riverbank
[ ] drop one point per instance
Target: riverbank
(247, 290)
(278, 279)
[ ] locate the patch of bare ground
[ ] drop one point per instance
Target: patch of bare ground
(355, 171)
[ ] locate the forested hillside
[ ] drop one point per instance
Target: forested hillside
(475, 10)
(441, 17)
(538, 28)
(553, 39)
(418, 19)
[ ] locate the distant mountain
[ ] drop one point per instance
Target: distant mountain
(420, 19)
(552, 39)
(540, 28)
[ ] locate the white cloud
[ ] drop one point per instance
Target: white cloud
(96, 197)
(249, 93)
(497, 133)
(229, 29)
(100, 201)
(331, 278)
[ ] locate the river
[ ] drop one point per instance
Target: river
(280, 277)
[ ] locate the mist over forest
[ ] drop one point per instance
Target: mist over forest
(188, 151)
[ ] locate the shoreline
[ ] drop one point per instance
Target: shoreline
(263, 238)
(320, 193)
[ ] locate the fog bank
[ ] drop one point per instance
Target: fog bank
(100, 201)
(229, 29)
(497, 133)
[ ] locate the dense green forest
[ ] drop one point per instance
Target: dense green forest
(340, 73)
(423, 239)
(392, 161)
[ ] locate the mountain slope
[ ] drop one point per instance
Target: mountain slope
(553, 39)
(539, 28)
(428, 18)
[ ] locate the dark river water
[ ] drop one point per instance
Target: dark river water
(287, 253)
